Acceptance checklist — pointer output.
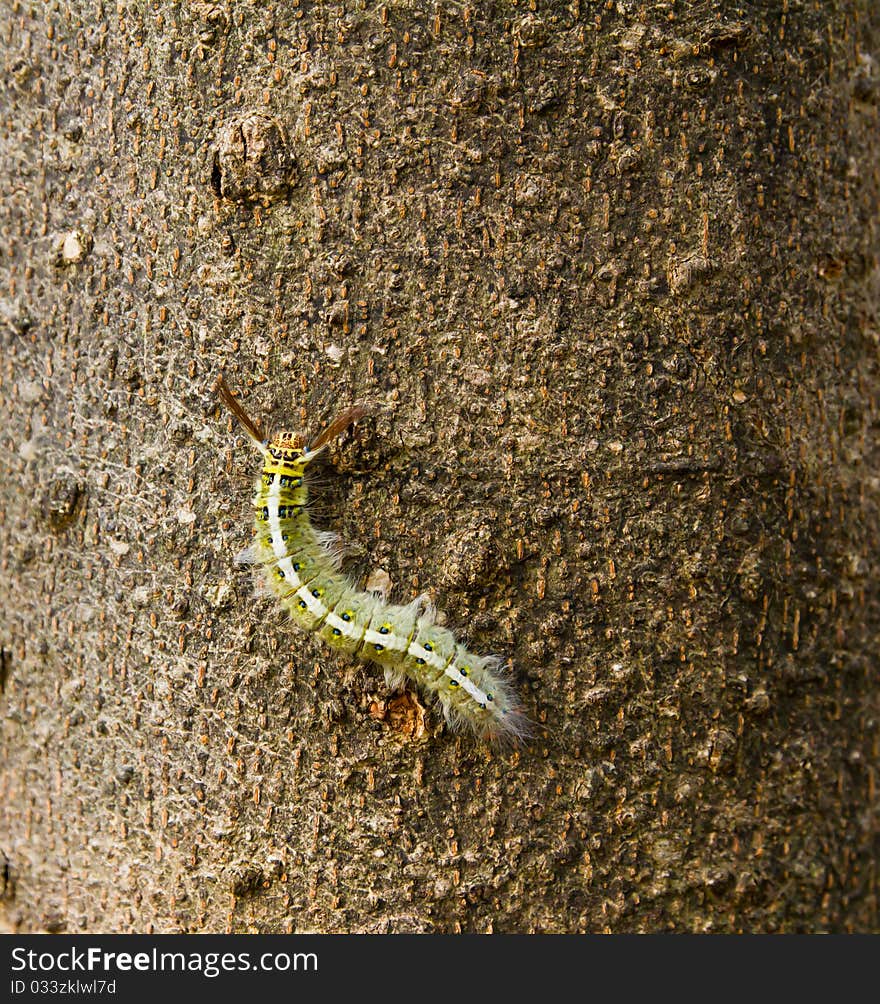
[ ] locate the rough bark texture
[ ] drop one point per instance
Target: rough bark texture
(609, 272)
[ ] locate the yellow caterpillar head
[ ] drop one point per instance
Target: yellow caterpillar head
(284, 453)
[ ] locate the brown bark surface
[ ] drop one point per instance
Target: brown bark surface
(608, 274)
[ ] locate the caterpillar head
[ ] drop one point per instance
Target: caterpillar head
(286, 445)
(285, 451)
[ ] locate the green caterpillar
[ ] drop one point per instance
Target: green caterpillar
(303, 571)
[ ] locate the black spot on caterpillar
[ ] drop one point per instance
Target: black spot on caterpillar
(303, 572)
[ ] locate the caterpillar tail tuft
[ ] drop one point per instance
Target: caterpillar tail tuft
(301, 566)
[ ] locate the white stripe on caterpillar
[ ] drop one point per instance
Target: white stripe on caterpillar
(301, 565)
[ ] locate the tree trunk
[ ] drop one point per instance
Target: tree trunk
(608, 275)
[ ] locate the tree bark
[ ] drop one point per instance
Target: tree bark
(608, 275)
